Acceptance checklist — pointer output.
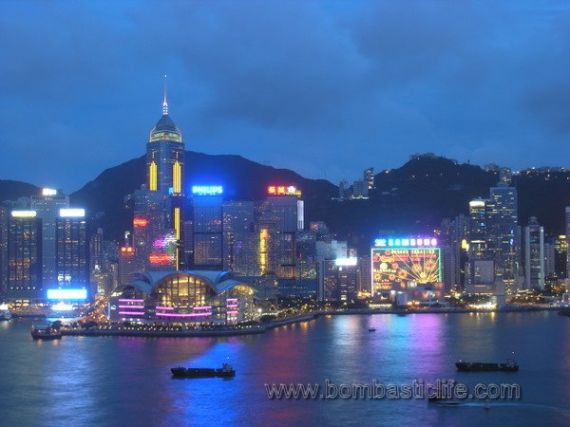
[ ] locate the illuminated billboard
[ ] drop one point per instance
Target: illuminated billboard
(24, 214)
(140, 222)
(207, 190)
(49, 192)
(72, 213)
(403, 268)
(283, 190)
(67, 294)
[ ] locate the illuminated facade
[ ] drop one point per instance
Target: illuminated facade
(24, 266)
(240, 240)
(72, 251)
(184, 297)
(403, 264)
(207, 231)
(158, 209)
(47, 205)
(281, 217)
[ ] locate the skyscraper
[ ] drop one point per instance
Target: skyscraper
(503, 224)
(24, 269)
(239, 239)
(567, 245)
(72, 250)
(534, 255)
(47, 205)
(281, 216)
(158, 214)
(207, 229)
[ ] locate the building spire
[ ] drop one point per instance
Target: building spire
(164, 100)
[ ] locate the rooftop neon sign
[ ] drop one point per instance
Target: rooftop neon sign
(406, 242)
(207, 190)
(283, 190)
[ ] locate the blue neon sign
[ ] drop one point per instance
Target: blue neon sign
(207, 190)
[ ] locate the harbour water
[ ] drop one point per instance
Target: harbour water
(101, 381)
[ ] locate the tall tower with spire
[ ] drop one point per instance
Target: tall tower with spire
(165, 154)
(158, 206)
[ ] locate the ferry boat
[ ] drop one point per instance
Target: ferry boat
(509, 366)
(226, 371)
(47, 333)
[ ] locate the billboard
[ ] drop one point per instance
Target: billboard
(67, 294)
(403, 268)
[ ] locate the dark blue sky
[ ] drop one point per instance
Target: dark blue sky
(324, 88)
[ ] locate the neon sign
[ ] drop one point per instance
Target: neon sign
(411, 242)
(72, 213)
(67, 294)
(283, 190)
(24, 214)
(160, 259)
(49, 192)
(207, 190)
(140, 222)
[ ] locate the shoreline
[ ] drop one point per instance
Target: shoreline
(136, 331)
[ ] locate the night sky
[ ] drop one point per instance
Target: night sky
(324, 88)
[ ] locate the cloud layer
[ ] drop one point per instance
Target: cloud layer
(324, 88)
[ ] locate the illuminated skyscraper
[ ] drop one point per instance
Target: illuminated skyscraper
(207, 227)
(4, 216)
(534, 255)
(165, 155)
(239, 242)
(281, 216)
(47, 206)
(158, 215)
(504, 232)
(72, 249)
(24, 255)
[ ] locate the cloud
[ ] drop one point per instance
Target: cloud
(325, 88)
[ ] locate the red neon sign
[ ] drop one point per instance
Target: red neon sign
(283, 190)
(160, 259)
(140, 222)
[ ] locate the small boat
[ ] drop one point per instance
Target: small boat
(371, 329)
(509, 366)
(47, 333)
(226, 371)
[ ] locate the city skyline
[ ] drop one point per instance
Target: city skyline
(286, 91)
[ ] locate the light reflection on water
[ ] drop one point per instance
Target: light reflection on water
(92, 381)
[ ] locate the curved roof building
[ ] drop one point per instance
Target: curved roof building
(187, 296)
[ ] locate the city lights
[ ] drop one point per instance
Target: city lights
(207, 190)
(62, 307)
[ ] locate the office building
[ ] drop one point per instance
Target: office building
(72, 249)
(534, 255)
(47, 205)
(24, 264)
